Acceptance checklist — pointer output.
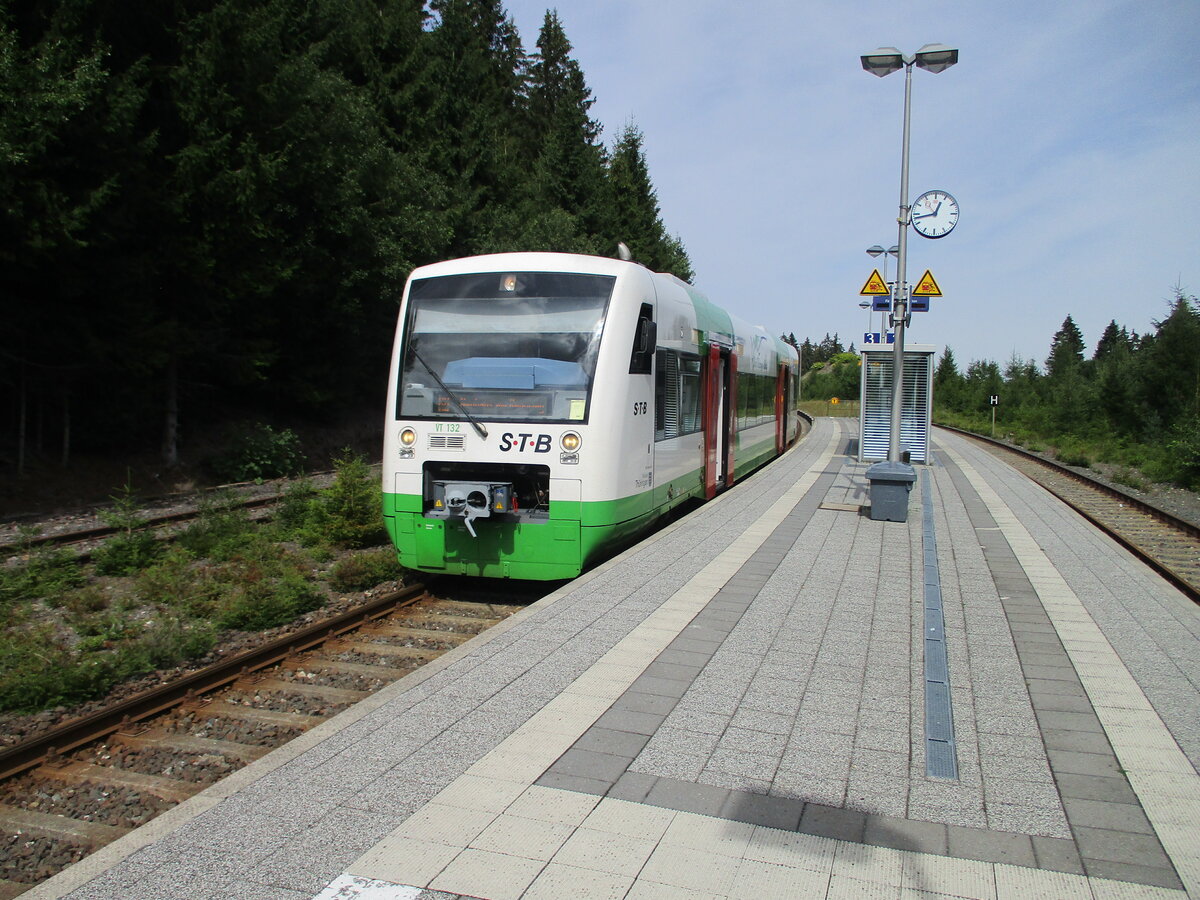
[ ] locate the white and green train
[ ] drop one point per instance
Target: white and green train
(543, 408)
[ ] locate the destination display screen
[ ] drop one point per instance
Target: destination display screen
(495, 404)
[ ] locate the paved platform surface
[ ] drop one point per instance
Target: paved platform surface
(777, 696)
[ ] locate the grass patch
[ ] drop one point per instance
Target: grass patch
(41, 572)
(71, 632)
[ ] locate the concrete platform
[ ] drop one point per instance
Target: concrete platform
(775, 697)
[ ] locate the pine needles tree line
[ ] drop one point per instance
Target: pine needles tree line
(1134, 403)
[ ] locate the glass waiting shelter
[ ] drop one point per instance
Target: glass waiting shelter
(875, 425)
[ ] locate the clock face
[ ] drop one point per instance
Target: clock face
(934, 214)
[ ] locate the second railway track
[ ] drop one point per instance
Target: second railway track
(1167, 543)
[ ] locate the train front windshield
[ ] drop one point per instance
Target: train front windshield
(519, 346)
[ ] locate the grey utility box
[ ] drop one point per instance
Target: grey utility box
(890, 486)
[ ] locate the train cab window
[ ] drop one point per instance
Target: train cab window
(645, 336)
(520, 346)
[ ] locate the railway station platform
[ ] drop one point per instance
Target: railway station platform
(775, 696)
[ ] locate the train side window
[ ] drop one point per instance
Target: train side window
(645, 336)
(666, 396)
(678, 391)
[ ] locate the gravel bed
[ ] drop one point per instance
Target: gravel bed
(345, 680)
(283, 701)
(197, 768)
(27, 859)
(223, 728)
(108, 805)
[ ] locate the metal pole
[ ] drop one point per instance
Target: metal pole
(900, 293)
(882, 314)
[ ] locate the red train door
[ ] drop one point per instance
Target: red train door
(781, 418)
(719, 400)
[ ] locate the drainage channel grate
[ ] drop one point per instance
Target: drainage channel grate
(941, 759)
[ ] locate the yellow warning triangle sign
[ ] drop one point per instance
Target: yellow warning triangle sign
(875, 284)
(927, 287)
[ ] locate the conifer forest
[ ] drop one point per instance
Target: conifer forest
(210, 206)
(209, 209)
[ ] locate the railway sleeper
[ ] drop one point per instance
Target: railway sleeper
(10, 889)
(469, 625)
(316, 691)
(319, 664)
(81, 773)
(58, 828)
(403, 632)
(159, 737)
(381, 649)
(473, 610)
(222, 709)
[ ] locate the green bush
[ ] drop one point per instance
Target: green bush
(176, 583)
(256, 603)
(1184, 452)
(259, 452)
(361, 571)
(1073, 453)
(46, 573)
(291, 512)
(220, 530)
(1131, 479)
(132, 548)
(349, 513)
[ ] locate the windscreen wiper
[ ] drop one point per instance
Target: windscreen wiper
(450, 394)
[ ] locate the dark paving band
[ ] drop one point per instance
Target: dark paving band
(1113, 837)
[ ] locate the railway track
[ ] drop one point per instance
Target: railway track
(84, 528)
(1167, 543)
(70, 791)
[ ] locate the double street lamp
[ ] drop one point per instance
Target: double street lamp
(933, 58)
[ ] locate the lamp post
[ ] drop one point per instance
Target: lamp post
(877, 251)
(933, 58)
(866, 304)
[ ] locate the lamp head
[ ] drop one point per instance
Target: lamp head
(876, 250)
(936, 57)
(883, 61)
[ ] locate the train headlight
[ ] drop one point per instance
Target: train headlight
(408, 437)
(570, 441)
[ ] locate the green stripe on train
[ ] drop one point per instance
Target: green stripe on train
(574, 536)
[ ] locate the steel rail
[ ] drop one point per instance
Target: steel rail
(78, 732)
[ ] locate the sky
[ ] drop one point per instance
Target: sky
(1069, 133)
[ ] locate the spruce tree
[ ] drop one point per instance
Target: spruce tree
(1066, 350)
(634, 213)
(476, 66)
(565, 189)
